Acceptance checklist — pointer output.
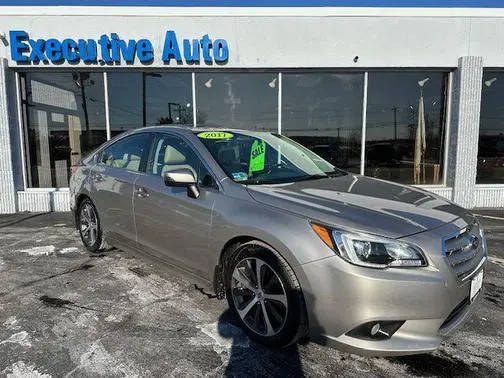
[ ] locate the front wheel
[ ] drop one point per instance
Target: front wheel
(265, 295)
(89, 226)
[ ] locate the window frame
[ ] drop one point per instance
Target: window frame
(143, 159)
(446, 119)
(20, 72)
(23, 121)
(496, 70)
(190, 146)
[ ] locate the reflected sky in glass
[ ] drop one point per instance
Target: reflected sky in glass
(392, 121)
(168, 99)
(491, 134)
(237, 100)
(323, 111)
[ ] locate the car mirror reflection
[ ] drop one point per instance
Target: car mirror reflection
(182, 177)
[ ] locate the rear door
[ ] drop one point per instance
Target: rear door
(170, 224)
(113, 179)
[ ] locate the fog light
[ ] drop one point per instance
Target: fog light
(381, 330)
(375, 329)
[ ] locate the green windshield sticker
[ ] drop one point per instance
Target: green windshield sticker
(215, 135)
(257, 155)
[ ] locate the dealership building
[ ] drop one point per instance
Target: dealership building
(391, 89)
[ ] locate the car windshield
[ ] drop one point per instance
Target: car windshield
(256, 158)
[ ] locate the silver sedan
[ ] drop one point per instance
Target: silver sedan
(297, 246)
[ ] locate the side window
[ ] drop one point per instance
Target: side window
(170, 153)
(126, 153)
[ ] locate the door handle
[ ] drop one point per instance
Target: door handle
(142, 193)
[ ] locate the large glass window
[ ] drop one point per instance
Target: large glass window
(406, 126)
(491, 133)
(125, 101)
(237, 100)
(64, 116)
(139, 99)
(323, 111)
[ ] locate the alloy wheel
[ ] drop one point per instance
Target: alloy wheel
(259, 296)
(88, 224)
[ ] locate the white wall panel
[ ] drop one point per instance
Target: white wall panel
(34, 201)
(272, 42)
(488, 196)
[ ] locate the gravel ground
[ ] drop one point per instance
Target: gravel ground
(66, 313)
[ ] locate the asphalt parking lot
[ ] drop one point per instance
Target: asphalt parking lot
(64, 312)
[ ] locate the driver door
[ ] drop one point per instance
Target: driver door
(170, 224)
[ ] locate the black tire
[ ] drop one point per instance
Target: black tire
(293, 326)
(87, 210)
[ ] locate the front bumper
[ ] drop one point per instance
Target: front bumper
(431, 301)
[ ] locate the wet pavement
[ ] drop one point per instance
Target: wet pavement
(64, 312)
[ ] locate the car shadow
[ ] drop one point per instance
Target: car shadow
(249, 358)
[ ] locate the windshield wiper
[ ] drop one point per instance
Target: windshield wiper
(284, 181)
(310, 177)
(337, 173)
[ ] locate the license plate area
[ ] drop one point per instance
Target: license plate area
(476, 284)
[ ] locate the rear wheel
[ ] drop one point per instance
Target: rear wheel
(89, 226)
(264, 294)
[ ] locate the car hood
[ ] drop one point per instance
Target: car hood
(361, 204)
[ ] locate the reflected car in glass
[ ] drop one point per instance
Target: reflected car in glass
(297, 246)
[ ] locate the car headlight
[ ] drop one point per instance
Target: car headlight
(369, 250)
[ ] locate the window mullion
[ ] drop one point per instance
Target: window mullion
(364, 116)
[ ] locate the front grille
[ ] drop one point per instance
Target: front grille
(465, 250)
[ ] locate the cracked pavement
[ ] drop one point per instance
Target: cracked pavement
(66, 313)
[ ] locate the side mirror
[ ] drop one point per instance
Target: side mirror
(182, 177)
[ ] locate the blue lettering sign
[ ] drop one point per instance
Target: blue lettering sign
(145, 52)
(37, 50)
(111, 49)
(18, 47)
(69, 47)
(128, 51)
(194, 56)
(87, 51)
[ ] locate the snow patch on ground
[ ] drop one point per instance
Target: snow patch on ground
(98, 360)
(496, 260)
(185, 368)
(22, 338)
(68, 250)
(11, 322)
(39, 251)
(113, 318)
(20, 369)
(67, 324)
(222, 336)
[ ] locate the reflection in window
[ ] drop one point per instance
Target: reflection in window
(168, 98)
(64, 119)
(406, 126)
(125, 101)
(127, 153)
(237, 100)
(491, 133)
(139, 99)
(323, 111)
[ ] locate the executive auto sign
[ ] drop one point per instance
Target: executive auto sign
(112, 49)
